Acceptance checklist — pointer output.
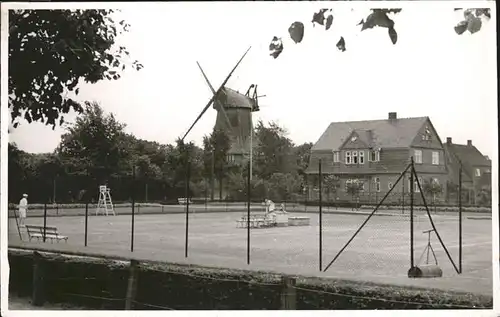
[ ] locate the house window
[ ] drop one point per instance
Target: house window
(336, 157)
(478, 172)
(376, 180)
(435, 158)
(417, 156)
(354, 157)
(417, 190)
(361, 157)
(348, 157)
(435, 181)
(374, 156)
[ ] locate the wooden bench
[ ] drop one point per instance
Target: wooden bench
(50, 233)
(183, 201)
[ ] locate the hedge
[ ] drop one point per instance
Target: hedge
(102, 284)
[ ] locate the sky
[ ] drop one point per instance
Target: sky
(431, 71)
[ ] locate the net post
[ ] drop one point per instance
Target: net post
(432, 222)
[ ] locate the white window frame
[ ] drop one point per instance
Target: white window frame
(376, 180)
(336, 156)
(435, 158)
(477, 172)
(417, 156)
(361, 158)
(348, 159)
(417, 190)
(355, 157)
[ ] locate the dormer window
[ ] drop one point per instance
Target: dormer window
(355, 157)
(354, 138)
(348, 157)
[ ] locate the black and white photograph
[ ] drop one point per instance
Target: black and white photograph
(249, 156)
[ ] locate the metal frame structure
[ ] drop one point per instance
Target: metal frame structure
(413, 179)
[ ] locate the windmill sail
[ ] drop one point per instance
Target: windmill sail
(215, 95)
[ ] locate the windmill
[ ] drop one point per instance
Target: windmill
(234, 115)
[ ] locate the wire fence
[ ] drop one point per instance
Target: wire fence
(157, 288)
(373, 249)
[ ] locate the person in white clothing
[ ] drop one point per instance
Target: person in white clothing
(23, 207)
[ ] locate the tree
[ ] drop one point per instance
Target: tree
(433, 188)
(281, 186)
(353, 188)
(215, 150)
(273, 152)
(303, 153)
(60, 48)
(95, 142)
(147, 171)
(331, 183)
(377, 18)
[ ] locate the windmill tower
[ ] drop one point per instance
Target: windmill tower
(234, 115)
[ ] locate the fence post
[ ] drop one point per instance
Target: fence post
(288, 293)
(38, 298)
(44, 221)
(132, 285)
(188, 178)
(248, 211)
(133, 211)
(86, 221)
(320, 216)
(412, 189)
(460, 219)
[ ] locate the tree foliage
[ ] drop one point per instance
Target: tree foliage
(52, 51)
(381, 18)
(96, 150)
(95, 142)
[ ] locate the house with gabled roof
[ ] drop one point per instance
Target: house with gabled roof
(476, 168)
(375, 153)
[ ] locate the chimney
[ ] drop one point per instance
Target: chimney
(393, 115)
(469, 142)
(448, 140)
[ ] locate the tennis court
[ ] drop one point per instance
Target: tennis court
(379, 253)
